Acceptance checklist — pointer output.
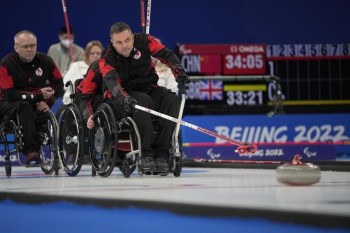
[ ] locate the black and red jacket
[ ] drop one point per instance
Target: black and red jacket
(91, 86)
(136, 72)
(19, 80)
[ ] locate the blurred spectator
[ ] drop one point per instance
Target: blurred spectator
(78, 69)
(166, 76)
(61, 53)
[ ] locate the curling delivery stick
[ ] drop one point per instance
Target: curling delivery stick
(65, 13)
(148, 19)
(242, 147)
(143, 24)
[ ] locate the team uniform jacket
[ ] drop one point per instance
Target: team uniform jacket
(136, 72)
(89, 88)
(19, 80)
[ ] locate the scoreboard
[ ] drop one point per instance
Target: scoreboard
(245, 75)
(308, 51)
(224, 59)
(312, 73)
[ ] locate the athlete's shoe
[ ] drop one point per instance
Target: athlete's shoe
(147, 163)
(162, 165)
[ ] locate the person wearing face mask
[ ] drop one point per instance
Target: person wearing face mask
(61, 53)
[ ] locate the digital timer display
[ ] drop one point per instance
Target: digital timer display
(245, 60)
(229, 93)
(244, 64)
(244, 98)
(245, 94)
(225, 59)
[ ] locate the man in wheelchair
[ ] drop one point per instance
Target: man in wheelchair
(127, 70)
(29, 84)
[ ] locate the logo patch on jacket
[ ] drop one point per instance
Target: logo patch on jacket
(137, 55)
(39, 72)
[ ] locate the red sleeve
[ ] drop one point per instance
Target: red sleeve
(6, 80)
(56, 79)
(154, 45)
(56, 74)
(89, 86)
(104, 68)
(111, 79)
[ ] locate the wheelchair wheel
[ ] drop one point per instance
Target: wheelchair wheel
(8, 168)
(178, 166)
(9, 127)
(127, 169)
(127, 166)
(49, 146)
(3, 141)
(129, 146)
(176, 152)
(103, 141)
(71, 139)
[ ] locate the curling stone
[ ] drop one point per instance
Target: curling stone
(298, 173)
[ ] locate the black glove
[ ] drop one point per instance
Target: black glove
(183, 79)
(128, 104)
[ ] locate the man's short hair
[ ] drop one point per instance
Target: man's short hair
(64, 30)
(118, 28)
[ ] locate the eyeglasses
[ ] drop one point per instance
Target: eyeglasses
(27, 46)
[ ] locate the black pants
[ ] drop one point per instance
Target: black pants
(28, 119)
(162, 100)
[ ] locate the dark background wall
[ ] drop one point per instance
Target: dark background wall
(182, 21)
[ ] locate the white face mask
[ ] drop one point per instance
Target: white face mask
(65, 43)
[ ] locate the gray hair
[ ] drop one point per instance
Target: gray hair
(118, 28)
(23, 32)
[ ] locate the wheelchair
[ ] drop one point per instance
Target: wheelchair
(11, 136)
(117, 141)
(114, 141)
(72, 135)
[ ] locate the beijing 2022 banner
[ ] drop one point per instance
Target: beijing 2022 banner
(280, 137)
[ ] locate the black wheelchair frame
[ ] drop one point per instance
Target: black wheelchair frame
(72, 135)
(48, 149)
(101, 143)
(114, 142)
(106, 136)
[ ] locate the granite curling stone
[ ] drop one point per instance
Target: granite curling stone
(297, 173)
